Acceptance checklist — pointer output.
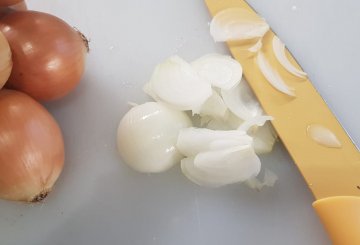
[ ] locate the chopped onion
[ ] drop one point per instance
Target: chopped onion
(147, 136)
(177, 83)
(214, 107)
(269, 180)
(218, 124)
(323, 136)
(241, 101)
(237, 24)
(257, 47)
(220, 71)
(273, 76)
(255, 121)
(264, 138)
(279, 51)
(191, 141)
(223, 167)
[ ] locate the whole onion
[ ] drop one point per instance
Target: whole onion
(48, 54)
(31, 148)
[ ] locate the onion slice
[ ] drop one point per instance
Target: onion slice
(269, 180)
(272, 76)
(279, 51)
(323, 136)
(178, 84)
(237, 24)
(220, 71)
(257, 47)
(214, 107)
(223, 167)
(264, 138)
(255, 121)
(191, 140)
(241, 101)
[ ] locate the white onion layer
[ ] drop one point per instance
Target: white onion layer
(234, 24)
(220, 71)
(323, 136)
(280, 54)
(272, 76)
(223, 167)
(177, 83)
(241, 101)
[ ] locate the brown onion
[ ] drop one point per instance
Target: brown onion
(16, 7)
(31, 148)
(48, 54)
(4, 3)
(5, 60)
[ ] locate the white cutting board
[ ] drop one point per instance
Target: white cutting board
(98, 200)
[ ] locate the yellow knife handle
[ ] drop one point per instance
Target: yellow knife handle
(341, 218)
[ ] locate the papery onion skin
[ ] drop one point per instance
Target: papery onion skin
(5, 60)
(31, 148)
(48, 54)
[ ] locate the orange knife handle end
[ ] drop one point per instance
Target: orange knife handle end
(341, 217)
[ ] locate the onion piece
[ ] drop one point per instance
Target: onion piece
(241, 101)
(255, 121)
(237, 24)
(223, 167)
(147, 136)
(272, 76)
(191, 141)
(279, 51)
(5, 60)
(269, 180)
(220, 71)
(323, 136)
(175, 82)
(214, 107)
(264, 138)
(257, 47)
(218, 124)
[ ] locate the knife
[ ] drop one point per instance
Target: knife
(332, 174)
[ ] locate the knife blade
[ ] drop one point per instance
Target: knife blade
(332, 174)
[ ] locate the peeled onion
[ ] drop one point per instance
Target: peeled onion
(48, 54)
(235, 24)
(147, 136)
(31, 148)
(5, 60)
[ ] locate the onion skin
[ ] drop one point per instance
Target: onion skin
(5, 60)
(31, 148)
(48, 54)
